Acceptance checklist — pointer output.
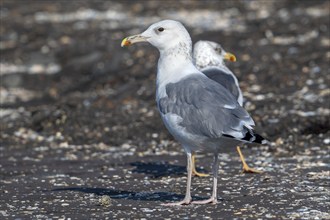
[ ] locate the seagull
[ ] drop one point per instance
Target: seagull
(200, 113)
(209, 59)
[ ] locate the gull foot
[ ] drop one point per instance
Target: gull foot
(196, 173)
(183, 202)
(247, 169)
(207, 201)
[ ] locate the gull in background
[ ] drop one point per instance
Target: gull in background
(209, 58)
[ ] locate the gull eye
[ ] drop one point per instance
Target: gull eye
(160, 29)
(218, 50)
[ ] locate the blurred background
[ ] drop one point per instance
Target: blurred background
(64, 74)
(65, 80)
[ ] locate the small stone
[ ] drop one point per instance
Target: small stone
(105, 201)
(64, 144)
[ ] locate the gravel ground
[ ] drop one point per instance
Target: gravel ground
(81, 137)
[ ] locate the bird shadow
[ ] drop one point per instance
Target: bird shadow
(124, 194)
(159, 169)
(153, 169)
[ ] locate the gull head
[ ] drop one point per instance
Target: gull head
(164, 35)
(208, 53)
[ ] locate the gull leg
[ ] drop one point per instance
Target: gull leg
(213, 199)
(246, 168)
(194, 171)
(187, 199)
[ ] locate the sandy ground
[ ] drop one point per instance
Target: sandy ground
(81, 137)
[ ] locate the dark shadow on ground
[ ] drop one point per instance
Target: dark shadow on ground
(160, 169)
(123, 194)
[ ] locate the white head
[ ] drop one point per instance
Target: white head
(166, 35)
(208, 53)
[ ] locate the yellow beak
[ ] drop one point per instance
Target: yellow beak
(132, 40)
(229, 56)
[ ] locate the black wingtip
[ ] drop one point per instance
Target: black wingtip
(251, 137)
(259, 139)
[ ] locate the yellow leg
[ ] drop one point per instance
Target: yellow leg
(194, 171)
(246, 168)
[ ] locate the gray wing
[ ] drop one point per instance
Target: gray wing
(227, 80)
(206, 108)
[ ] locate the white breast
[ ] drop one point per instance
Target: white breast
(176, 68)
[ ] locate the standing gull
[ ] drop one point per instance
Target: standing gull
(209, 59)
(199, 112)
